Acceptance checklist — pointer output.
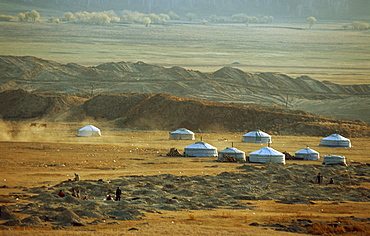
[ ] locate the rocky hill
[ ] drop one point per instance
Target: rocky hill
(226, 85)
(168, 112)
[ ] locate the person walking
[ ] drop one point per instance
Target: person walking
(118, 194)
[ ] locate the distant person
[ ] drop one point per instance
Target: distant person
(85, 197)
(77, 177)
(319, 178)
(74, 193)
(331, 180)
(61, 194)
(118, 194)
(109, 198)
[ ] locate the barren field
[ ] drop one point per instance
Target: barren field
(325, 52)
(175, 195)
(180, 195)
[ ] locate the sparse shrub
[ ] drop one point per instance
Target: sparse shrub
(130, 17)
(95, 18)
(164, 18)
(359, 25)
(5, 18)
(191, 16)
(33, 15)
(147, 21)
(326, 229)
(69, 16)
(53, 20)
(115, 19)
(264, 19)
(173, 16)
(311, 20)
(242, 18)
(355, 228)
(215, 19)
(253, 19)
(154, 18)
(192, 217)
(223, 215)
(29, 16)
(21, 16)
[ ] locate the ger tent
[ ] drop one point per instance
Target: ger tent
(334, 160)
(89, 131)
(335, 140)
(267, 154)
(256, 137)
(200, 149)
(182, 133)
(233, 152)
(307, 154)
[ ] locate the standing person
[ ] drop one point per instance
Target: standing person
(77, 177)
(318, 178)
(118, 194)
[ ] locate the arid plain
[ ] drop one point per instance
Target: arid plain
(238, 198)
(35, 157)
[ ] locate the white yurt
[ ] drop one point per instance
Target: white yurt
(234, 152)
(307, 154)
(89, 131)
(257, 137)
(267, 154)
(200, 149)
(335, 140)
(334, 160)
(182, 133)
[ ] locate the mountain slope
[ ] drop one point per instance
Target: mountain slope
(227, 85)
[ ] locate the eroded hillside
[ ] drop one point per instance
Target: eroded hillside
(167, 112)
(226, 85)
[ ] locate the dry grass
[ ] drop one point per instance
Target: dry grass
(192, 217)
(35, 160)
(324, 53)
(325, 229)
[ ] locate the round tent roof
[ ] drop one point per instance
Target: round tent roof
(306, 150)
(182, 131)
(257, 133)
(231, 150)
(267, 151)
(89, 130)
(336, 137)
(200, 145)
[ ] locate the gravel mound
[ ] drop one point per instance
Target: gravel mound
(289, 184)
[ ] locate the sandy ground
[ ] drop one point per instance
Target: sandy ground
(46, 157)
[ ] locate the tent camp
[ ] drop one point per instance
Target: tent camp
(267, 154)
(89, 131)
(200, 149)
(335, 140)
(256, 137)
(307, 154)
(232, 152)
(182, 133)
(334, 160)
